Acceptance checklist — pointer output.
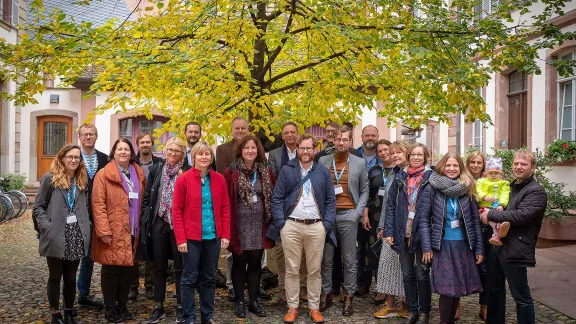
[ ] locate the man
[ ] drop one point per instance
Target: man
(193, 134)
(303, 196)
(225, 152)
(508, 262)
(330, 147)
(350, 179)
(277, 159)
(369, 145)
(145, 159)
(94, 161)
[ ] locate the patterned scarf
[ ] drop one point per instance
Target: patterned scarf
(169, 175)
(245, 177)
(451, 187)
(415, 176)
(131, 183)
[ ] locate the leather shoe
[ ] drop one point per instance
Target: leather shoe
(424, 319)
(210, 321)
(291, 315)
(240, 311)
(316, 316)
(483, 312)
(256, 308)
(282, 297)
(263, 294)
(362, 290)
(347, 308)
(231, 295)
(57, 319)
(412, 319)
(303, 294)
(325, 301)
(150, 293)
(133, 294)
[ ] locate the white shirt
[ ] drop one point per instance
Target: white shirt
(307, 208)
(291, 154)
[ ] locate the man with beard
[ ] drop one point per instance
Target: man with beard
(145, 159)
(225, 152)
(193, 134)
(303, 211)
(331, 128)
(350, 178)
(368, 148)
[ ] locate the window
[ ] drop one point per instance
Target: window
(9, 10)
(485, 8)
(518, 110)
(567, 100)
(130, 128)
(477, 138)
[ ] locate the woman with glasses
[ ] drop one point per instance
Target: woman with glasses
(401, 232)
(64, 236)
(250, 184)
(117, 195)
(157, 230)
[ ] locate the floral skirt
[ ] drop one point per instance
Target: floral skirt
(454, 271)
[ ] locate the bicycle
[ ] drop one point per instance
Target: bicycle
(13, 203)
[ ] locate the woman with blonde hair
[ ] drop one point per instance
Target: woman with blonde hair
(476, 164)
(201, 220)
(64, 237)
(450, 233)
(157, 239)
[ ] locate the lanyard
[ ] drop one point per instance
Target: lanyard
(254, 180)
(90, 166)
(128, 181)
(369, 163)
(307, 184)
(72, 196)
(454, 204)
(384, 176)
(338, 177)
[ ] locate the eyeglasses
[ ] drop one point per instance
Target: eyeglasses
(330, 131)
(342, 140)
(86, 135)
(173, 151)
(71, 158)
(306, 149)
(418, 155)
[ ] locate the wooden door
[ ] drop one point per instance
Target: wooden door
(53, 133)
(518, 126)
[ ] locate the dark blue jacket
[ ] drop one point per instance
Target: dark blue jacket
(397, 212)
(431, 213)
(285, 199)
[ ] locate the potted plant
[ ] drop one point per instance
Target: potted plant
(562, 152)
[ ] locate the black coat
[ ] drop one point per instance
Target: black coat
(431, 213)
(102, 161)
(525, 212)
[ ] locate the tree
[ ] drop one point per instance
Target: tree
(271, 61)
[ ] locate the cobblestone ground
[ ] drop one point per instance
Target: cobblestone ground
(23, 276)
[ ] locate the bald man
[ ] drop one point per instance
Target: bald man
(369, 145)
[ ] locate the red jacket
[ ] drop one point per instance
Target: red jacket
(232, 181)
(187, 206)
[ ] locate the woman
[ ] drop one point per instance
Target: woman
(201, 220)
(250, 185)
(116, 201)
(476, 165)
(450, 233)
(401, 231)
(389, 281)
(157, 234)
(64, 237)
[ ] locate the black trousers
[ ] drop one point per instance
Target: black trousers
(148, 275)
(251, 274)
(116, 281)
(58, 269)
(164, 247)
(486, 234)
(367, 260)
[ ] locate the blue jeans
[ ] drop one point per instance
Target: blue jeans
(200, 264)
(85, 273)
(499, 272)
(416, 278)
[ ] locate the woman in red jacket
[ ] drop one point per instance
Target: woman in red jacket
(201, 220)
(250, 184)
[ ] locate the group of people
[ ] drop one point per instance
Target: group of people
(334, 219)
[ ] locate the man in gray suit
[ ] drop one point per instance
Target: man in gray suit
(279, 157)
(350, 179)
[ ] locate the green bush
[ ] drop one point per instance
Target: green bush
(562, 150)
(16, 182)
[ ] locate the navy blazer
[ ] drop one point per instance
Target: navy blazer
(285, 198)
(397, 212)
(431, 212)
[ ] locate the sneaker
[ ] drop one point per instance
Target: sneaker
(386, 312)
(157, 315)
(495, 240)
(90, 302)
(503, 229)
(179, 316)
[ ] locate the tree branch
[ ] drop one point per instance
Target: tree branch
(294, 85)
(274, 55)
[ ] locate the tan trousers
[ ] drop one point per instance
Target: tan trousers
(297, 237)
(281, 267)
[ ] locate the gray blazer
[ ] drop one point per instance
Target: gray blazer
(50, 211)
(275, 160)
(358, 185)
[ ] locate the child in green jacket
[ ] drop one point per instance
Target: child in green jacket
(494, 192)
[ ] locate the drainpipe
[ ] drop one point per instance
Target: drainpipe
(458, 133)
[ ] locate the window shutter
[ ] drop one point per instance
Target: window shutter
(15, 12)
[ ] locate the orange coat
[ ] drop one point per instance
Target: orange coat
(110, 211)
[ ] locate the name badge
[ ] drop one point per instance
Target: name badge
(381, 192)
(254, 198)
(133, 195)
(411, 215)
(71, 219)
(455, 223)
(338, 189)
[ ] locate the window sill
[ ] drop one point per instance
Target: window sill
(5, 25)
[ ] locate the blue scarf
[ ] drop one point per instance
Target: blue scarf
(133, 204)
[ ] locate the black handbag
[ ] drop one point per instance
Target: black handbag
(377, 247)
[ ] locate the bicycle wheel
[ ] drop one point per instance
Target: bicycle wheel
(16, 204)
(7, 207)
(23, 201)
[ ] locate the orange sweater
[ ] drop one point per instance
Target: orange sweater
(343, 200)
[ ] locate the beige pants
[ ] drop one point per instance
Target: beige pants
(296, 238)
(281, 267)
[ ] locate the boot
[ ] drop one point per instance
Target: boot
(423, 319)
(483, 312)
(112, 315)
(57, 319)
(133, 294)
(412, 319)
(256, 308)
(325, 301)
(240, 311)
(125, 314)
(347, 308)
(68, 318)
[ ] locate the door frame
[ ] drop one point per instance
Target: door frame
(33, 166)
(41, 121)
(523, 100)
